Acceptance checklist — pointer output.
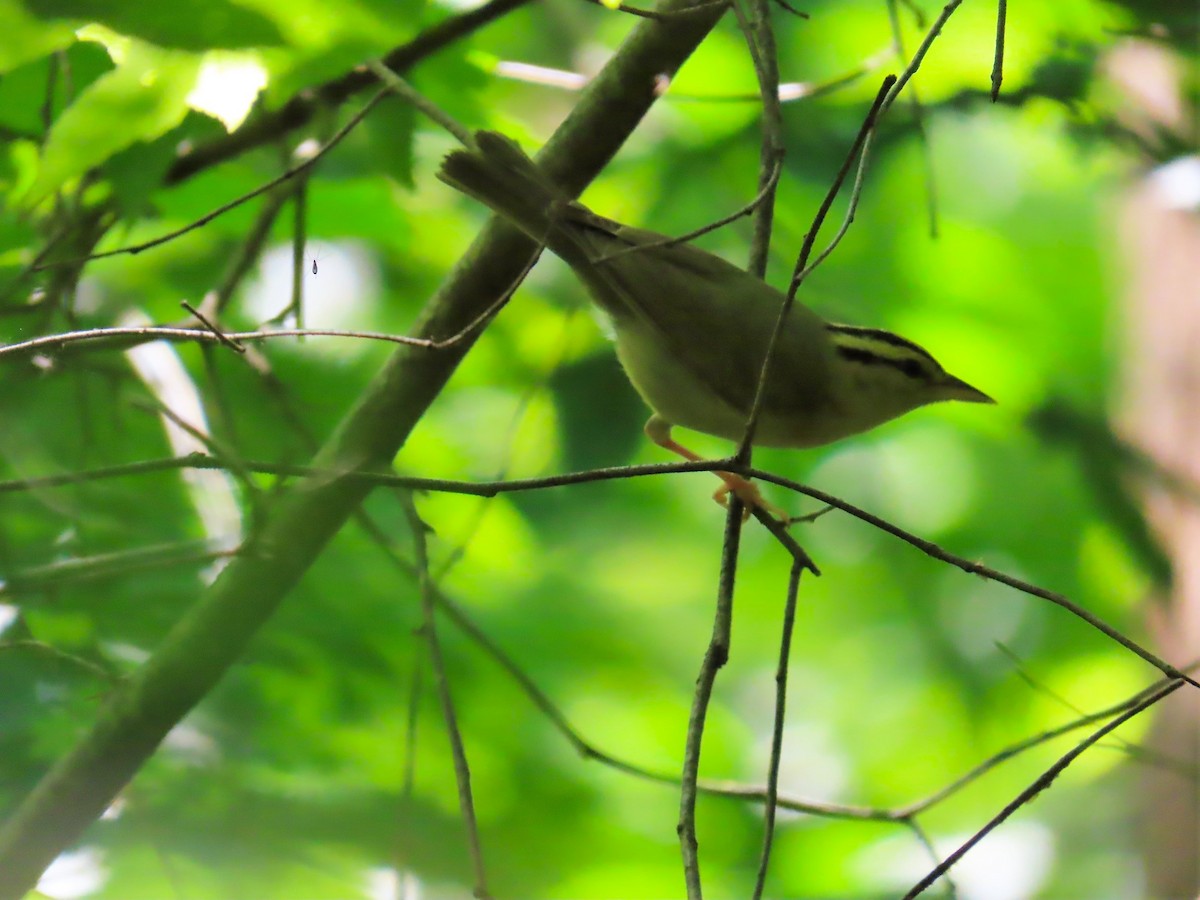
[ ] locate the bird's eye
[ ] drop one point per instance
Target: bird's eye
(911, 368)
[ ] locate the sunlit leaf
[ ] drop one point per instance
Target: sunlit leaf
(185, 24)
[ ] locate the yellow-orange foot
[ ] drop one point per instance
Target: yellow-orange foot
(748, 493)
(658, 430)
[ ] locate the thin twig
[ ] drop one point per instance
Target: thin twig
(789, 91)
(171, 333)
(809, 518)
(462, 770)
(714, 658)
(559, 721)
(295, 170)
(632, 10)
(216, 407)
(220, 335)
(590, 751)
(295, 306)
(46, 111)
(712, 226)
(423, 104)
(233, 462)
(930, 36)
(32, 266)
(787, 7)
(760, 40)
(918, 117)
(248, 252)
(810, 238)
(998, 60)
(781, 670)
(532, 389)
(108, 565)
(386, 479)
(743, 451)
(299, 110)
(493, 488)
(1134, 751)
(923, 839)
(1038, 686)
(1013, 750)
(1042, 782)
(494, 309)
(761, 44)
(848, 219)
(49, 650)
(904, 814)
(779, 530)
(408, 783)
(974, 568)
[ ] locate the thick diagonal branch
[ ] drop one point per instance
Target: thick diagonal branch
(215, 632)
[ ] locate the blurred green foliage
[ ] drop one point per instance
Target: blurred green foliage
(289, 780)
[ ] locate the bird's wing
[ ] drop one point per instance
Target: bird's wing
(679, 289)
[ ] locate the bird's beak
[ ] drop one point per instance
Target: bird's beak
(957, 389)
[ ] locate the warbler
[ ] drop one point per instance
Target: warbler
(692, 329)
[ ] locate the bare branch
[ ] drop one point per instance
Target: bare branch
(147, 333)
(289, 174)
(462, 770)
(998, 59)
(300, 109)
(49, 651)
(781, 670)
(217, 333)
(423, 104)
(1042, 782)
(746, 210)
(932, 549)
(715, 658)
(934, 30)
(743, 453)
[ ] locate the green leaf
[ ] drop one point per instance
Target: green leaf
(183, 24)
(25, 38)
(137, 171)
(454, 82)
(140, 100)
(23, 90)
(390, 132)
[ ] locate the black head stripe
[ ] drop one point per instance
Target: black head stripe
(910, 367)
(885, 337)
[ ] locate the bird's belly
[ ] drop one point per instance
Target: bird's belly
(674, 392)
(681, 397)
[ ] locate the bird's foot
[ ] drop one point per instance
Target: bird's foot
(748, 493)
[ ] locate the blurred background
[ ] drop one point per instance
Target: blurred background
(1044, 247)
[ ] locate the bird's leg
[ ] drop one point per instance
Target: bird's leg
(658, 430)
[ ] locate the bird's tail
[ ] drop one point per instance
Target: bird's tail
(497, 172)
